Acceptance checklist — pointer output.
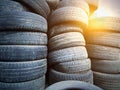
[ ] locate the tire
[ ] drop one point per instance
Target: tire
(76, 3)
(38, 6)
(36, 84)
(69, 15)
(12, 72)
(22, 53)
(105, 24)
(63, 28)
(22, 21)
(66, 40)
(55, 76)
(107, 81)
(103, 52)
(106, 66)
(22, 38)
(67, 55)
(72, 85)
(73, 67)
(9, 5)
(103, 38)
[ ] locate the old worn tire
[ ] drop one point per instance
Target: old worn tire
(37, 84)
(72, 85)
(66, 40)
(106, 66)
(107, 81)
(38, 6)
(103, 38)
(77, 66)
(22, 52)
(103, 52)
(22, 38)
(67, 54)
(12, 72)
(75, 3)
(22, 21)
(56, 76)
(68, 15)
(63, 28)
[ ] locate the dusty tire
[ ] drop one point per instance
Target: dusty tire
(70, 15)
(22, 38)
(22, 21)
(78, 66)
(22, 53)
(106, 66)
(72, 85)
(12, 72)
(66, 40)
(67, 54)
(103, 52)
(107, 81)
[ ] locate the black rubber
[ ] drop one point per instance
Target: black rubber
(37, 84)
(22, 38)
(72, 85)
(22, 21)
(22, 52)
(13, 72)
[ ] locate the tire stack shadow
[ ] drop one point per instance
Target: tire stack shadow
(23, 44)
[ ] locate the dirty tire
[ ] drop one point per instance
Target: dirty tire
(66, 40)
(22, 21)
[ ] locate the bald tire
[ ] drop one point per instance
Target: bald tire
(66, 40)
(67, 54)
(107, 81)
(37, 84)
(70, 15)
(9, 5)
(56, 76)
(12, 72)
(22, 38)
(74, 3)
(103, 38)
(103, 52)
(106, 66)
(77, 66)
(22, 52)
(22, 21)
(64, 28)
(38, 6)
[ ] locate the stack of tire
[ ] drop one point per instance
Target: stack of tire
(103, 44)
(23, 49)
(68, 57)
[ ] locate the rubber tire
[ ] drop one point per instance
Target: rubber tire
(37, 84)
(106, 66)
(38, 6)
(63, 28)
(72, 85)
(75, 3)
(69, 15)
(22, 21)
(22, 38)
(103, 38)
(67, 55)
(12, 72)
(22, 52)
(105, 23)
(107, 81)
(103, 52)
(9, 5)
(66, 40)
(56, 76)
(73, 67)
